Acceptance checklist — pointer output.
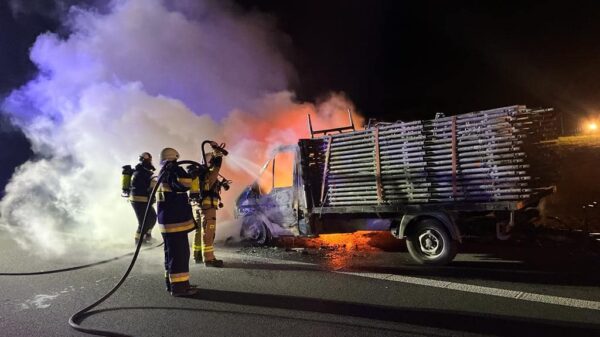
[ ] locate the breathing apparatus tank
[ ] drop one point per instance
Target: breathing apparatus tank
(126, 180)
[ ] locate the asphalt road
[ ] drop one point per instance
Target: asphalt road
(490, 290)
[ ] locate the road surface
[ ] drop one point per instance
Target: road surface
(490, 290)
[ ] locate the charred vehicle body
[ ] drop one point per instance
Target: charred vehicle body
(425, 181)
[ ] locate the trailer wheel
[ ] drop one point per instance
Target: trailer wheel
(428, 242)
(255, 232)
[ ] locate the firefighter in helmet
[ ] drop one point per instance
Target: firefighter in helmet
(141, 185)
(205, 207)
(175, 221)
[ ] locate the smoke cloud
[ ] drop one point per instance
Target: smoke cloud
(140, 76)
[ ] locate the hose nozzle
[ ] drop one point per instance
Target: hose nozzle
(219, 147)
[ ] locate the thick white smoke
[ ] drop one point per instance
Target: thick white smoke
(138, 77)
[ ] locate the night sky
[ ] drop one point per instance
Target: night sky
(393, 59)
(406, 60)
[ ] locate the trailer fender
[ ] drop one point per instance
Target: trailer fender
(407, 220)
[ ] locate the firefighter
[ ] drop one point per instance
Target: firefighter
(175, 221)
(141, 185)
(205, 209)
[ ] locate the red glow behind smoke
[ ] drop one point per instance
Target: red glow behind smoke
(253, 135)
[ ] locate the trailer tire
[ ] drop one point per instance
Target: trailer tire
(430, 243)
(255, 233)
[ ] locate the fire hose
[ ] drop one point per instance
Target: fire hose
(80, 315)
(62, 270)
(214, 145)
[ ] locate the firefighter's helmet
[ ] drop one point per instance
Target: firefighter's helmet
(168, 154)
(145, 156)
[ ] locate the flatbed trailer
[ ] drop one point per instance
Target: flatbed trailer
(422, 176)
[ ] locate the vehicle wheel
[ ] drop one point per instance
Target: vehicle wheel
(430, 243)
(255, 232)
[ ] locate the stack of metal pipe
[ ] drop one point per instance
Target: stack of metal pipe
(484, 156)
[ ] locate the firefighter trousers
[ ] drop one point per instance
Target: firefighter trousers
(177, 258)
(140, 209)
(205, 235)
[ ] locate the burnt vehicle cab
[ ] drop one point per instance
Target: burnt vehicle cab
(274, 205)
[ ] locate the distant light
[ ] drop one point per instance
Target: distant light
(590, 126)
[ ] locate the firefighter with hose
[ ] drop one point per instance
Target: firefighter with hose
(205, 195)
(175, 221)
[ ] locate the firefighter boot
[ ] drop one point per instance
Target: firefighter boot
(214, 263)
(183, 289)
(148, 239)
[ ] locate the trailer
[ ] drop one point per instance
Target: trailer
(422, 180)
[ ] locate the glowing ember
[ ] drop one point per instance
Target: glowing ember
(342, 248)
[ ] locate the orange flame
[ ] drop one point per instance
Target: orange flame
(252, 135)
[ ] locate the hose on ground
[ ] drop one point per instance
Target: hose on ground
(77, 317)
(62, 270)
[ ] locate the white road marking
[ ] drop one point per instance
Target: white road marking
(41, 301)
(514, 294)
